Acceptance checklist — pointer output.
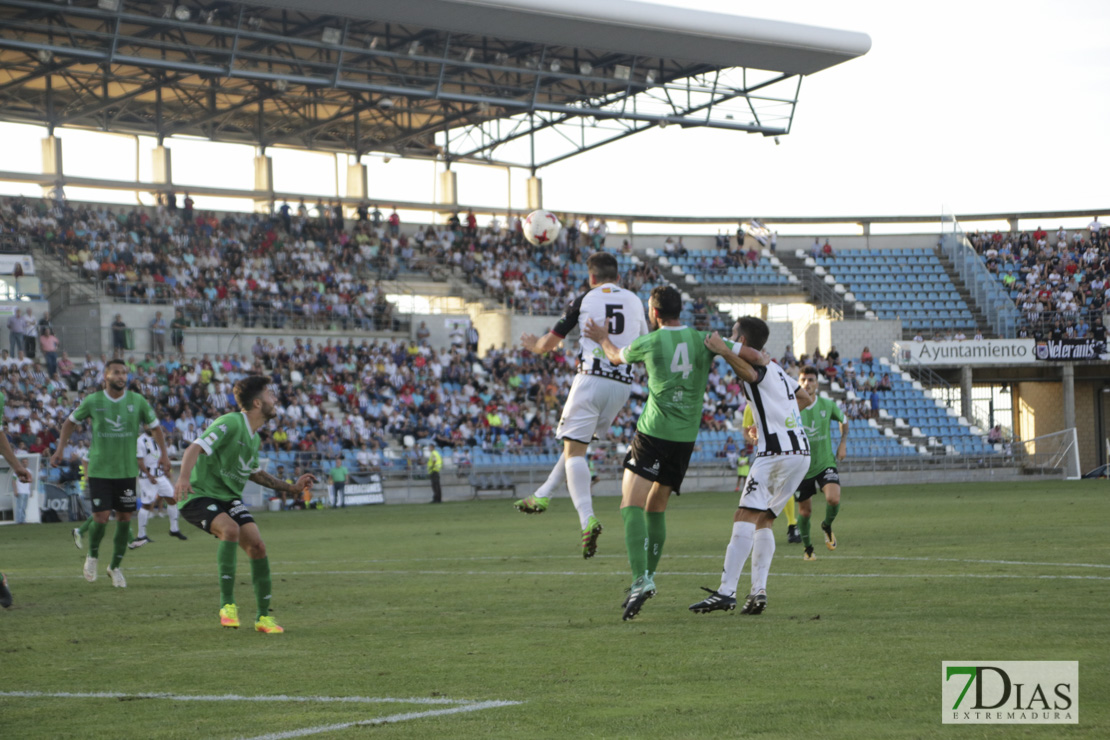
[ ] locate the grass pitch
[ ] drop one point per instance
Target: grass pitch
(433, 620)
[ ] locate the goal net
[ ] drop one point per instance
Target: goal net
(1050, 454)
(7, 492)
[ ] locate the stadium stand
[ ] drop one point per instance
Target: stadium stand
(907, 284)
(1059, 282)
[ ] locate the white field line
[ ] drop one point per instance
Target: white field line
(237, 697)
(386, 720)
(608, 574)
(457, 705)
(511, 558)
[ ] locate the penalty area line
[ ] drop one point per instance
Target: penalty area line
(393, 718)
(236, 697)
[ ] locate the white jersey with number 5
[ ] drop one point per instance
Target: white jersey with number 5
(610, 304)
(775, 410)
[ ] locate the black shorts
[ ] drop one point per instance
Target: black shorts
(810, 486)
(659, 460)
(112, 494)
(200, 512)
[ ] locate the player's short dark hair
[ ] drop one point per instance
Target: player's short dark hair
(667, 301)
(247, 389)
(115, 361)
(602, 267)
(811, 370)
(754, 332)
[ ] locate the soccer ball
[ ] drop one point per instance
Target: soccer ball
(541, 228)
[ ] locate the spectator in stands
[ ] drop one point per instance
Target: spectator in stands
(874, 404)
(158, 333)
(994, 436)
(119, 337)
(49, 343)
(885, 384)
(177, 331)
(826, 249)
(865, 357)
(16, 330)
(788, 357)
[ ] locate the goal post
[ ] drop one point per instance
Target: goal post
(1056, 453)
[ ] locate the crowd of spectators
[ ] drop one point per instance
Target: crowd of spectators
(1060, 281)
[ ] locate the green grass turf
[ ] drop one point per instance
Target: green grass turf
(474, 601)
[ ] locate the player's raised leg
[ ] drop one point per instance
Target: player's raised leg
(538, 502)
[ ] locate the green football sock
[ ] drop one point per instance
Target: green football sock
(226, 554)
(831, 510)
(260, 577)
(803, 529)
(656, 536)
(122, 537)
(635, 538)
(96, 534)
(84, 528)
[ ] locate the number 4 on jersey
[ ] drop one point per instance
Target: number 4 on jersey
(680, 363)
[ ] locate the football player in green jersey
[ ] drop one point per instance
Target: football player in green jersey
(822, 474)
(116, 415)
(214, 470)
(678, 364)
(20, 471)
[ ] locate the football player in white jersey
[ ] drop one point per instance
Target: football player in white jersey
(153, 485)
(599, 391)
(781, 462)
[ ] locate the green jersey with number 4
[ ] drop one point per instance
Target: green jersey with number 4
(231, 457)
(116, 424)
(677, 365)
(818, 419)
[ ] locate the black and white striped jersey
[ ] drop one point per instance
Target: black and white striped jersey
(775, 411)
(607, 303)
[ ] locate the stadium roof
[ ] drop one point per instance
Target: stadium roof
(525, 82)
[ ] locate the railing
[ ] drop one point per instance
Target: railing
(985, 289)
(1043, 323)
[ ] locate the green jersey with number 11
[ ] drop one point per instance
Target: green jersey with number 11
(678, 366)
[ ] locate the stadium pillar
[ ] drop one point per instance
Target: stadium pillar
(1013, 224)
(264, 181)
(449, 188)
(535, 193)
(52, 156)
(966, 407)
(162, 166)
(1068, 374)
(357, 182)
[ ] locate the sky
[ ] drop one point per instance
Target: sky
(968, 107)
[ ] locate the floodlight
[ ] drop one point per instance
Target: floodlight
(649, 78)
(586, 68)
(112, 5)
(331, 35)
(556, 65)
(622, 71)
(45, 55)
(182, 13)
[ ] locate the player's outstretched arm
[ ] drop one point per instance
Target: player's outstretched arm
(718, 346)
(600, 334)
(803, 398)
(540, 345)
(262, 478)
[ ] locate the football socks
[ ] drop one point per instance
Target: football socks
(554, 479)
(803, 529)
(260, 577)
(736, 554)
(578, 483)
(656, 536)
(789, 510)
(96, 534)
(226, 554)
(831, 510)
(119, 542)
(144, 517)
(635, 538)
(763, 551)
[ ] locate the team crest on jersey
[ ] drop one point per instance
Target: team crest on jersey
(824, 413)
(130, 408)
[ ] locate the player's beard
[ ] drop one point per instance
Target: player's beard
(269, 411)
(119, 386)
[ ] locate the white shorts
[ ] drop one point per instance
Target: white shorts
(772, 482)
(592, 404)
(149, 492)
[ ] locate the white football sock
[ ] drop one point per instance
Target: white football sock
(554, 480)
(172, 509)
(144, 516)
(763, 551)
(578, 483)
(736, 554)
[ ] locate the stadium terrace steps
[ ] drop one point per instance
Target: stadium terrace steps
(981, 320)
(820, 294)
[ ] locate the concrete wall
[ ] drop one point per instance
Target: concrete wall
(1039, 410)
(850, 337)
